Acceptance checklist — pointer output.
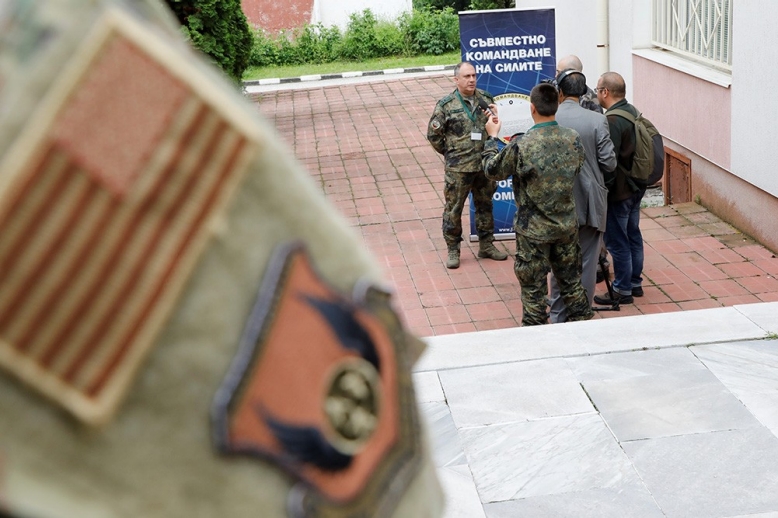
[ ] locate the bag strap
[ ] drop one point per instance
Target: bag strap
(624, 114)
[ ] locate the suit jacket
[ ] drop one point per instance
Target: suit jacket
(591, 195)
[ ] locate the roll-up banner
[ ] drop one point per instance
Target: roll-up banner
(512, 50)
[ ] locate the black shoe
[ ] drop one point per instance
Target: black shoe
(606, 300)
(637, 292)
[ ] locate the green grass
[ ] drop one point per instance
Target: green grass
(345, 66)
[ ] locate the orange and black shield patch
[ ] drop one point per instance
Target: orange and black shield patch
(321, 385)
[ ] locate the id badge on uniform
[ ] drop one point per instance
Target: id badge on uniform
(475, 136)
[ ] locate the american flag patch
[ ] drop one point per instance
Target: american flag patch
(105, 212)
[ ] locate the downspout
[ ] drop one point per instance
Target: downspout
(603, 42)
(315, 13)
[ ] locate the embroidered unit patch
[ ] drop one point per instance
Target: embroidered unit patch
(321, 385)
(104, 208)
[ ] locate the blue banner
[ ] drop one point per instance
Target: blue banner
(512, 50)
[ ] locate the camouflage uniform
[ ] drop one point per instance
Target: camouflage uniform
(544, 164)
(589, 101)
(161, 249)
(449, 131)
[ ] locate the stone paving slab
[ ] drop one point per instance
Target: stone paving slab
(676, 430)
(708, 475)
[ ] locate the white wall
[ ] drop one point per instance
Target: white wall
(754, 104)
(576, 31)
(336, 12)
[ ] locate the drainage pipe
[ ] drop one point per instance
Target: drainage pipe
(603, 42)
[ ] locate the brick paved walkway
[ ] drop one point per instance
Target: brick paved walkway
(365, 145)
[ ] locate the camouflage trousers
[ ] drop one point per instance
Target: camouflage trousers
(456, 189)
(534, 260)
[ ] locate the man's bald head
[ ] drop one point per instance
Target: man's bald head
(615, 84)
(570, 61)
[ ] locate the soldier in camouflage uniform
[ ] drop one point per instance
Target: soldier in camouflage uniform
(456, 131)
(544, 165)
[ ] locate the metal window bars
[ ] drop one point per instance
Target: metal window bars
(700, 30)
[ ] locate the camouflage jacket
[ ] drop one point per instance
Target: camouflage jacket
(450, 129)
(589, 101)
(544, 164)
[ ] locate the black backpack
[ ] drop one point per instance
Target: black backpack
(648, 164)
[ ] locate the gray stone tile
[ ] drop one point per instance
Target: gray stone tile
(461, 496)
(446, 447)
(498, 346)
(673, 403)
(513, 392)
(717, 474)
(631, 333)
(624, 365)
(628, 500)
(750, 371)
(758, 515)
(545, 457)
(763, 315)
(427, 386)
(652, 331)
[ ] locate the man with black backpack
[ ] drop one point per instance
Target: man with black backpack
(635, 152)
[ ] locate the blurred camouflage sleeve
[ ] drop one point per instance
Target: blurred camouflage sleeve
(499, 165)
(581, 154)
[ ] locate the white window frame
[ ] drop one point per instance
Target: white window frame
(699, 30)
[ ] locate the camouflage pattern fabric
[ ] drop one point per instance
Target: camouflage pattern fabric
(589, 101)
(457, 187)
(124, 152)
(533, 262)
(543, 164)
(449, 132)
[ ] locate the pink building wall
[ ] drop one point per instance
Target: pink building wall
(693, 112)
(696, 117)
(274, 16)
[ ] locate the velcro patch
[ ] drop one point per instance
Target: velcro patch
(105, 207)
(321, 385)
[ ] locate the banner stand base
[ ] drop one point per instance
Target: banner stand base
(497, 237)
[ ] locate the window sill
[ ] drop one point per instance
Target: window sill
(686, 66)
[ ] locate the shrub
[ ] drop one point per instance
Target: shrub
(389, 39)
(219, 29)
(439, 5)
(264, 52)
(359, 42)
(317, 44)
(483, 5)
(428, 32)
(420, 32)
